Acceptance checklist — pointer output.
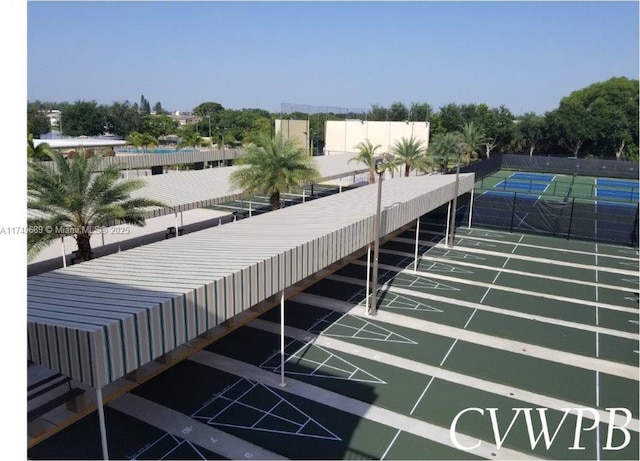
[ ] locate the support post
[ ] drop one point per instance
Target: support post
(376, 250)
(175, 224)
(64, 253)
(103, 428)
(448, 219)
(250, 210)
(282, 383)
(415, 261)
(366, 303)
(455, 204)
(471, 207)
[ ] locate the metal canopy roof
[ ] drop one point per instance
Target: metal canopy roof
(187, 190)
(102, 319)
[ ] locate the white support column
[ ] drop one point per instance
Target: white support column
(303, 195)
(181, 220)
(219, 221)
(282, 383)
(415, 262)
(102, 231)
(446, 234)
(340, 185)
(250, 210)
(103, 428)
(366, 306)
(64, 253)
(470, 208)
(176, 222)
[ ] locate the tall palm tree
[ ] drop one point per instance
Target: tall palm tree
(75, 198)
(274, 165)
(190, 139)
(410, 153)
(474, 138)
(445, 148)
(367, 155)
(39, 152)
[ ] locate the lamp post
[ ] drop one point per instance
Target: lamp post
(373, 306)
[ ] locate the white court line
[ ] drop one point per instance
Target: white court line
(421, 396)
(449, 351)
(392, 442)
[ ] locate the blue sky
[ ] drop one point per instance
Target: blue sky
(525, 55)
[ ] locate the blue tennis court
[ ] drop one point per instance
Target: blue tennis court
(616, 193)
(532, 177)
(617, 183)
(520, 185)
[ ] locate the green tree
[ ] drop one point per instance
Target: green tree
(160, 125)
(207, 108)
(420, 112)
(367, 155)
(398, 112)
(378, 113)
(77, 197)
(39, 152)
(83, 118)
(473, 138)
(37, 121)
(272, 166)
(190, 138)
(410, 153)
(122, 118)
(531, 129)
(142, 140)
(446, 148)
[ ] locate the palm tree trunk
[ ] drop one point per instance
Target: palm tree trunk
(372, 177)
(84, 246)
(274, 199)
(407, 169)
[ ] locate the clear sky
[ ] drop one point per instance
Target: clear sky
(525, 55)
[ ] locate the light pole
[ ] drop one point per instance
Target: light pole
(373, 306)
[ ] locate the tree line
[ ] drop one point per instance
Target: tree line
(598, 121)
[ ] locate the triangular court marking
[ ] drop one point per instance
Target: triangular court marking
(452, 254)
(320, 363)
(164, 446)
(254, 406)
(630, 281)
(350, 326)
(474, 243)
(412, 281)
(447, 268)
(397, 301)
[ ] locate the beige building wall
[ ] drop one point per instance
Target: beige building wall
(297, 129)
(343, 136)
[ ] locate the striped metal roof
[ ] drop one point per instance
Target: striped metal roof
(102, 319)
(187, 190)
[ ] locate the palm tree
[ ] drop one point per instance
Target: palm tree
(474, 139)
(39, 152)
(75, 198)
(274, 165)
(190, 139)
(142, 140)
(446, 148)
(410, 153)
(367, 155)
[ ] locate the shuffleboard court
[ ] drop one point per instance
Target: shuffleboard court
(278, 421)
(129, 438)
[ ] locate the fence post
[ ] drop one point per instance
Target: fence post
(592, 190)
(555, 184)
(513, 210)
(573, 202)
(634, 233)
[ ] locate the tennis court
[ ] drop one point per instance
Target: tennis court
(501, 320)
